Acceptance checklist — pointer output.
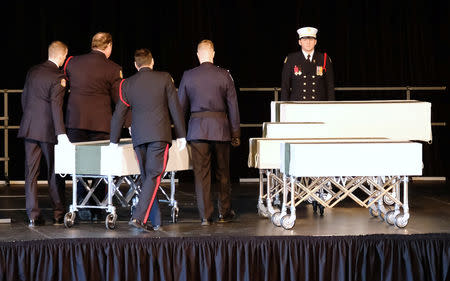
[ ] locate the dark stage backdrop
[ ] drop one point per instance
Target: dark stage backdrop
(371, 43)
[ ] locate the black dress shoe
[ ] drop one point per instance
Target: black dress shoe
(36, 222)
(206, 222)
(157, 227)
(227, 217)
(139, 225)
(58, 221)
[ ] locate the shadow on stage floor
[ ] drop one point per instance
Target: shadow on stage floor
(345, 244)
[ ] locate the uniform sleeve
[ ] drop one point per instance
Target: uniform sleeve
(182, 95)
(117, 77)
(57, 92)
(232, 108)
(286, 81)
(175, 108)
(329, 80)
(25, 93)
(119, 115)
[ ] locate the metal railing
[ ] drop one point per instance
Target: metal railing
(407, 91)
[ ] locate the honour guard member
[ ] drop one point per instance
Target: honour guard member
(42, 125)
(94, 86)
(208, 94)
(152, 98)
(307, 75)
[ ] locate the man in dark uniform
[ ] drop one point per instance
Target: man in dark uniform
(42, 125)
(152, 98)
(94, 84)
(207, 92)
(307, 75)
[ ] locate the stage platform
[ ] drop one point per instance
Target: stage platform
(345, 244)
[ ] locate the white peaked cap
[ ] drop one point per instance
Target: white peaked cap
(307, 32)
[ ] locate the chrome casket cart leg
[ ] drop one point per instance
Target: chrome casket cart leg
(390, 215)
(111, 218)
(270, 183)
(262, 210)
(288, 220)
(401, 220)
(69, 217)
(173, 202)
(276, 217)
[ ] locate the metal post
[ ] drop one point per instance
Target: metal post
(276, 94)
(408, 93)
(6, 136)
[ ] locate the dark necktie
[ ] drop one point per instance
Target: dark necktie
(308, 58)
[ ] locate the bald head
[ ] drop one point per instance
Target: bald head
(205, 51)
(57, 52)
(102, 41)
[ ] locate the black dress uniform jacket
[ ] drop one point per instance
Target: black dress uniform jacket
(42, 100)
(208, 91)
(304, 80)
(150, 95)
(94, 82)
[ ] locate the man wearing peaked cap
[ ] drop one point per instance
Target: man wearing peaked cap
(307, 75)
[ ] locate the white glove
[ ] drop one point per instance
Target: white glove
(129, 131)
(113, 145)
(63, 139)
(181, 143)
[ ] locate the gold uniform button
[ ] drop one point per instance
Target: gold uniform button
(304, 76)
(304, 83)
(314, 83)
(304, 97)
(304, 90)
(313, 97)
(313, 76)
(314, 91)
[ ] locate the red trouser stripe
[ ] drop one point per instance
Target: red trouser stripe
(158, 181)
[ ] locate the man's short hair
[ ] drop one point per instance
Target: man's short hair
(101, 40)
(57, 48)
(143, 57)
(205, 44)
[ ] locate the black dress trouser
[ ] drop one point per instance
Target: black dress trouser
(33, 154)
(152, 157)
(208, 155)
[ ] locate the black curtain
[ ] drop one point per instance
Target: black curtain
(359, 258)
(371, 43)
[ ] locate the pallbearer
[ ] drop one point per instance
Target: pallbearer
(207, 93)
(152, 98)
(307, 75)
(42, 125)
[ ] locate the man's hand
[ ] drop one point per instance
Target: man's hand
(63, 139)
(113, 145)
(235, 141)
(181, 143)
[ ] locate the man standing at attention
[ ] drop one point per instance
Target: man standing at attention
(42, 125)
(94, 87)
(307, 75)
(152, 98)
(208, 94)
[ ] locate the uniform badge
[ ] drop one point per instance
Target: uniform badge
(120, 74)
(63, 83)
(297, 71)
(319, 71)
